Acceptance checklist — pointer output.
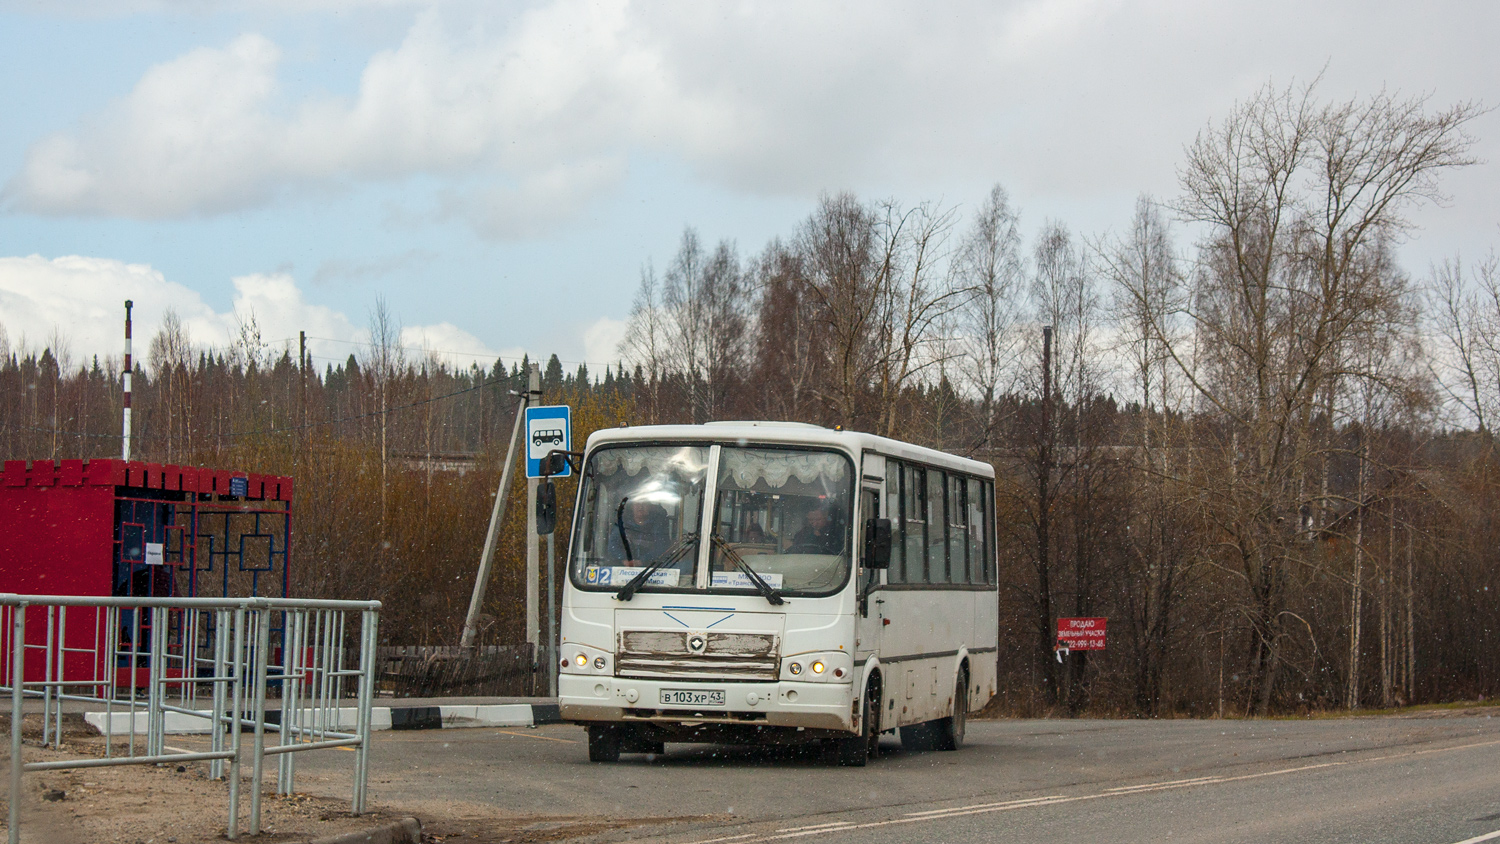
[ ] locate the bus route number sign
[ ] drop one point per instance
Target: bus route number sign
(1081, 634)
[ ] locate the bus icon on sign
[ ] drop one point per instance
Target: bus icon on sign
(542, 436)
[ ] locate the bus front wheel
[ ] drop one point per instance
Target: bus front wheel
(855, 751)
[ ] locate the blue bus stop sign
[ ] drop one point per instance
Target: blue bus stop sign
(548, 429)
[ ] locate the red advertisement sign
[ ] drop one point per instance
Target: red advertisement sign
(1081, 634)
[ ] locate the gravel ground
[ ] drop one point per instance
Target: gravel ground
(180, 804)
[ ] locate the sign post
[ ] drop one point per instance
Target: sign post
(548, 429)
(1080, 634)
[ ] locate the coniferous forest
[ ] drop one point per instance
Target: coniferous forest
(1235, 424)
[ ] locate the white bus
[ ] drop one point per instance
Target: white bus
(765, 582)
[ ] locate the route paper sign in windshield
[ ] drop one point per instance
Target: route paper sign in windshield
(1081, 634)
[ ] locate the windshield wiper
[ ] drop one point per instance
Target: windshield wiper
(672, 555)
(620, 525)
(771, 594)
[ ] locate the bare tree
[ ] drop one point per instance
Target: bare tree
(1147, 293)
(645, 341)
(1467, 316)
(914, 295)
(840, 256)
(170, 356)
(1298, 198)
(384, 361)
(991, 271)
(787, 339)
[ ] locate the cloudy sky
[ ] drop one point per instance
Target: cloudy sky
(499, 172)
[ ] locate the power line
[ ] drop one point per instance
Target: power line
(286, 429)
(485, 355)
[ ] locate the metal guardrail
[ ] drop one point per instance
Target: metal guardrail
(183, 652)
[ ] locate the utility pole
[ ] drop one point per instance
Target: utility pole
(125, 436)
(1044, 521)
(302, 392)
(533, 565)
(552, 617)
(497, 515)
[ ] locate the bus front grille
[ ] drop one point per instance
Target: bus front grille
(670, 653)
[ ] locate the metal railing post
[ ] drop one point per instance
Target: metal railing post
(368, 629)
(156, 679)
(216, 722)
(62, 646)
(289, 704)
(312, 671)
(47, 676)
(258, 762)
(17, 676)
(234, 722)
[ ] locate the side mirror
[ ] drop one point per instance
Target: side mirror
(546, 507)
(877, 544)
(555, 463)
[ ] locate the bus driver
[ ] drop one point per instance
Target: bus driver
(647, 532)
(818, 536)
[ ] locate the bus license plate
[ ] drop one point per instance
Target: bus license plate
(692, 697)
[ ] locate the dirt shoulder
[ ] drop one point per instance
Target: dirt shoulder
(180, 804)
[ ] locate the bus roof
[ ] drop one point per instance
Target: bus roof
(790, 433)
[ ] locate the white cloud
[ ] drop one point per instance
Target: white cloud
(123, 8)
(82, 299)
(539, 203)
(601, 340)
(192, 137)
(522, 119)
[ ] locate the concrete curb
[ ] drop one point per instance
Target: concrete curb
(447, 716)
(404, 831)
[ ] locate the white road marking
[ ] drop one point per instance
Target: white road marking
(1025, 801)
(1159, 786)
(816, 826)
(1121, 791)
(539, 738)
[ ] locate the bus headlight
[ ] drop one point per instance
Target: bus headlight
(584, 659)
(819, 667)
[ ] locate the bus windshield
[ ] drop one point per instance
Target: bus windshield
(785, 514)
(641, 503)
(782, 513)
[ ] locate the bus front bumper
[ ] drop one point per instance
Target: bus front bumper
(601, 699)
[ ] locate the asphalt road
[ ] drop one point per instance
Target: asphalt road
(1433, 780)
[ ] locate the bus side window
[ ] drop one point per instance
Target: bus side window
(914, 492)
(893, 511)
(958, 531)
(937, 528)
(978, 569)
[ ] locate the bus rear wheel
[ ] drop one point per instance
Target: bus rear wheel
(950, 730)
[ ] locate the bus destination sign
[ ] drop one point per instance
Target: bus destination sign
(1081, 634)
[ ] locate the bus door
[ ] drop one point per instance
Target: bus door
(867, 582)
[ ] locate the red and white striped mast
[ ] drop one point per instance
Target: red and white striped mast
(125, 437)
